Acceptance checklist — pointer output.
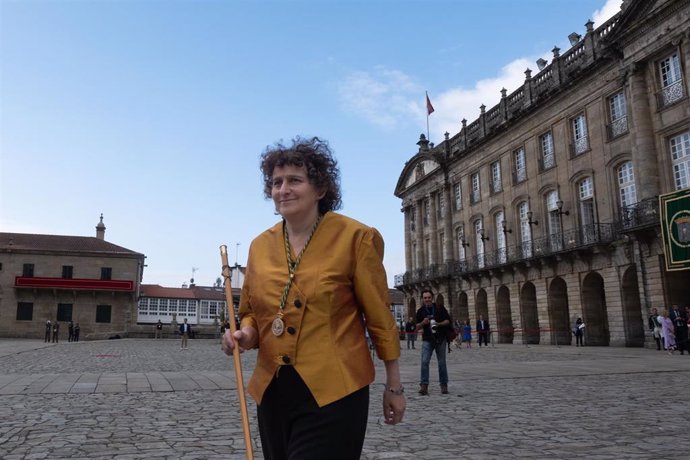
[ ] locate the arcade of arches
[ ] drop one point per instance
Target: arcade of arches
(543, 311)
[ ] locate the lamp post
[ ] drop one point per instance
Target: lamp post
(483, 239)
(560, 212)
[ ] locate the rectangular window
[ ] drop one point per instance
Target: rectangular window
(547, 154)
(67, 271)
(64, 312)
(671, 80)
(28, 270)
(496, 185)
(680, 156)
(103, 313)
(106, 273)
(25, 311)
(413, 217)
(670, 70)
(580, 140)
(618, 115)
(520, 165)
(457, 196)
(475, 194)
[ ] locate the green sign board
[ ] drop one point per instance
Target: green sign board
(675, 224)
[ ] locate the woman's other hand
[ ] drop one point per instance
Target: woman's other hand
(246, 338)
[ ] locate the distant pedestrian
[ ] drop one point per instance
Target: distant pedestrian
(158, 331)
(467, 333)
(667, 332)
(579, 332)
(49, 330)
(76, 332)
(655, 327)
(186, 332)
(482, 331)
(410, 332)
(56, 331)
(680, 328)
(70, 331)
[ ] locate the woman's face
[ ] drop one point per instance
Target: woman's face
(294, 196)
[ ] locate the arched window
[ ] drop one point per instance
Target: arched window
(462, 255)
(554, 221)
(525, 229)
(500, 236)
(626, 184)
(479, 241)
(680, 155)
(586, 207)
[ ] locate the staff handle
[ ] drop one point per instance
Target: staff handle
(227, 275)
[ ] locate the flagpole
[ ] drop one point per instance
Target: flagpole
(427, 116)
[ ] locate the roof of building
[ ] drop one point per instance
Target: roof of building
(192, 292)
(395, 296)
(60, 243)
(214, 293)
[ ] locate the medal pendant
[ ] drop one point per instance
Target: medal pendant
(278, 327)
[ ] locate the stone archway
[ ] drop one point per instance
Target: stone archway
(463, 308)
(504, 320)
(594, 310)
(529, 313)
(481, 306)
(632, 309)
(559, 312)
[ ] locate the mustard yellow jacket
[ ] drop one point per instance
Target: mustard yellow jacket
(340, 278)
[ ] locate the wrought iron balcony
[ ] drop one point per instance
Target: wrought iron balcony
(617, 128)
(670, 94)
(547, 162)
(642, 214)
(561, 243)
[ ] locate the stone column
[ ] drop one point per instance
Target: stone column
(407, 210)
(448, 224)
(644, 154)
(516, 313)
(419, 233)
(433, 229)
(614, 306)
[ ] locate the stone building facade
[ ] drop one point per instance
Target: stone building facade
(545, 208)
(86, 280)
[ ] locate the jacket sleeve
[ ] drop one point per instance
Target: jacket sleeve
(371, 291)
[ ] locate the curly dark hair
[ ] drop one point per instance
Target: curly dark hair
(314, 154)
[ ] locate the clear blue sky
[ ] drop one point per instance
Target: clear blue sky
(154, 113)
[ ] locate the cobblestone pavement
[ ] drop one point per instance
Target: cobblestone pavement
(136, 399)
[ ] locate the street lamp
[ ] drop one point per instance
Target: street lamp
(559, 211)
(481, 235)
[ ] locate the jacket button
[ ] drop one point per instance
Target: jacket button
(286, 359)
(291, 330)
(298, 303)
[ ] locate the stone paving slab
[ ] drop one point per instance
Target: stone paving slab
(135, 399)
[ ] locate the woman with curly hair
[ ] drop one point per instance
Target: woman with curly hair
(313, 281)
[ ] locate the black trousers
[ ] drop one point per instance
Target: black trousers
(293, 427)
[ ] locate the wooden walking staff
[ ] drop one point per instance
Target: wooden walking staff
(227, 274)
